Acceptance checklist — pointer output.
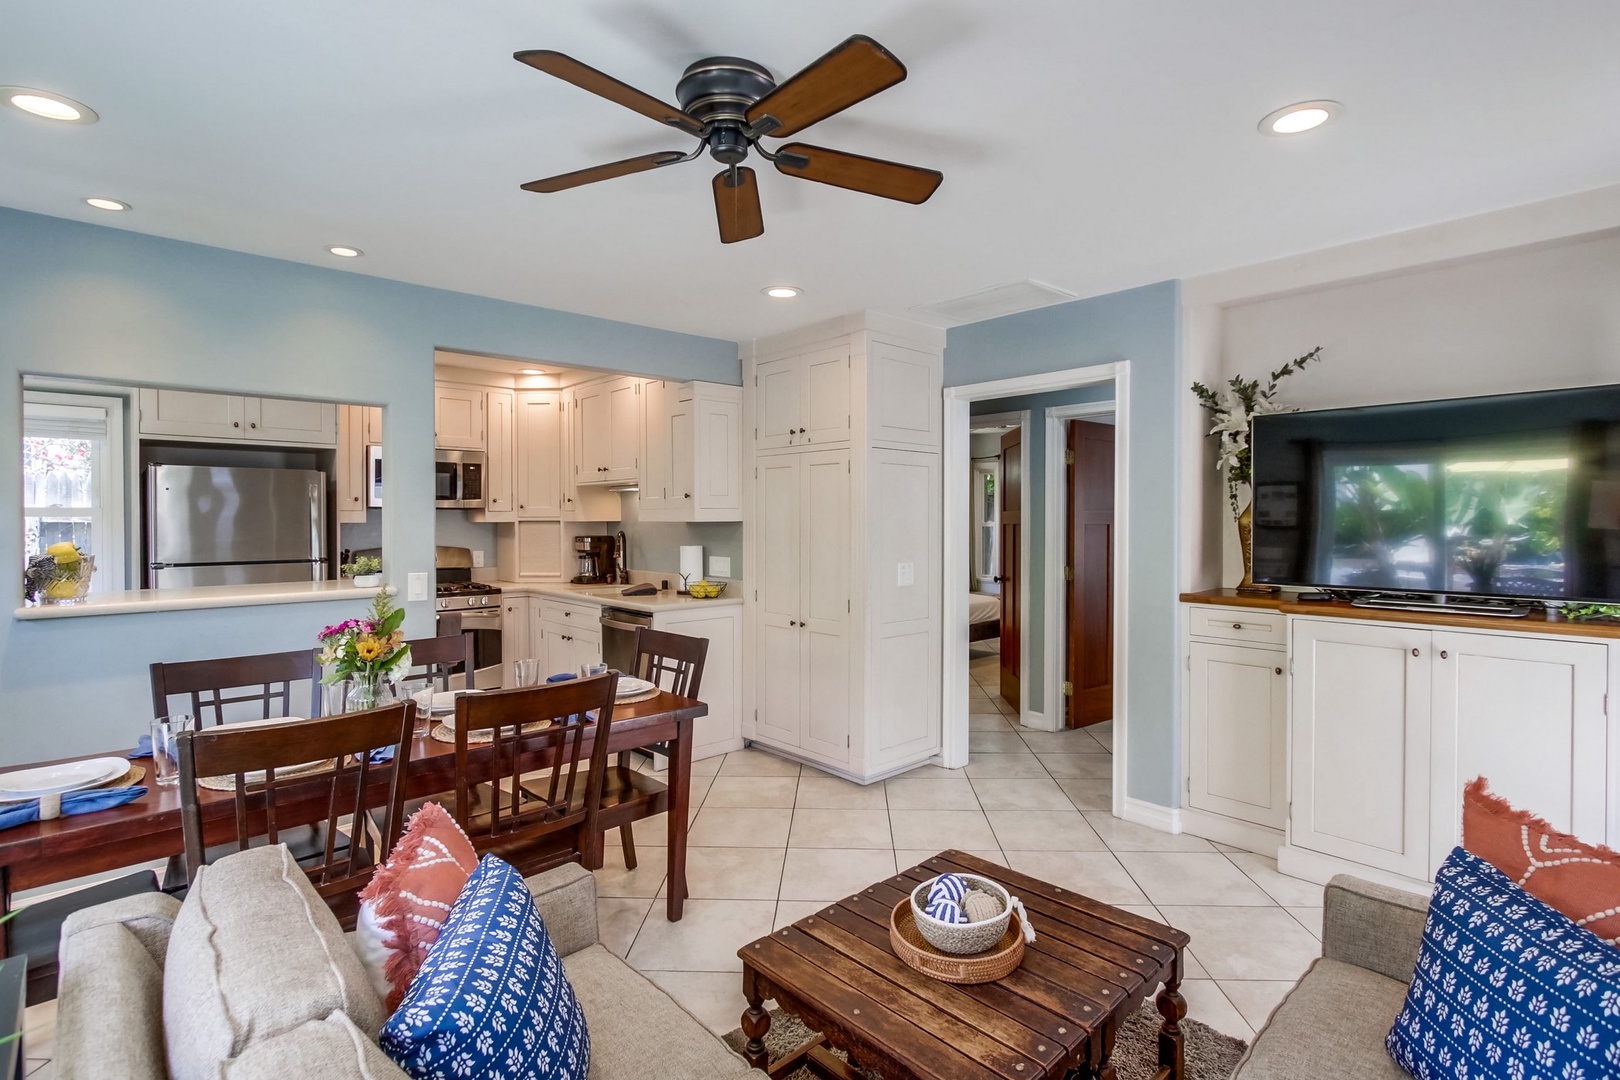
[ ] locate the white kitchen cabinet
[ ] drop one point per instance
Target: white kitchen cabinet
(609, 434)
(778, 514)
(804, 399)
(283, 420)
(500, 479)
(721, 730)
(693, 465)
(657, 469)
(580, 502)
(191, 414)
(539, 455)
(374, 424)
(566, 642)
(1361, 751)
(350, 468)
(1237, 760)
(517, 640)
(1529, 714)
(458, 417)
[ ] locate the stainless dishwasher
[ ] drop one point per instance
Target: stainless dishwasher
(619, 637)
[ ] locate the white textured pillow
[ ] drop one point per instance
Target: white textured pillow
(370, 942)
(255, 952)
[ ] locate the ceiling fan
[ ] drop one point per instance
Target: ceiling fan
(730, 103)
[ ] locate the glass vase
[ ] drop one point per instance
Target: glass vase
(368, 693)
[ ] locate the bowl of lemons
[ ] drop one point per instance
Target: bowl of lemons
(59, 576)
(706, 590)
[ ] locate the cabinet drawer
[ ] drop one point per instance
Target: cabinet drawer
(1236, 624)
(575, 615)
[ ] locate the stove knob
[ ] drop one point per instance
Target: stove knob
(444, 605)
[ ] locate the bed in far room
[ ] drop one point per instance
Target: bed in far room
(984, 616)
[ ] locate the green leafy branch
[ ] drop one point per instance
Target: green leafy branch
(1242, 400)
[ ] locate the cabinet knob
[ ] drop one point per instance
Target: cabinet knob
(688, 495)
(1444, 654)
(236, 423)
(791, 622)
(1414, 652)
(568, 614)
(253, 425)
(1237, 626)
(1276, 671)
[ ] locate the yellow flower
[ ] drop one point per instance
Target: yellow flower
(368, 648)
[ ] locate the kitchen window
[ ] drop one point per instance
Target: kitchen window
(74, 480)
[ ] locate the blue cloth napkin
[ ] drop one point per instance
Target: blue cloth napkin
(74, 802)
(382, 755)
(564, 677)
(143, 747)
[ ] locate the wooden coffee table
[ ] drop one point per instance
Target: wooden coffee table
(1091, 966)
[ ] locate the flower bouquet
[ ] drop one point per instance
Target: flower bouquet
(371, 653)
(60, 576)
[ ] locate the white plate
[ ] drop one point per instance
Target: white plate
(629, 686)
(27, 784)
(442, 701)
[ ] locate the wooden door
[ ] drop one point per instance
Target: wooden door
(1012, 484)
(539, 454)
(776, 403)
(1360, 755)
(824, 606)
(1237, 732)
(777, 519)
(1089, 570)
(1528, 714)
(500, 484)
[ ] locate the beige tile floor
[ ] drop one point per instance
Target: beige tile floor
(771, 842)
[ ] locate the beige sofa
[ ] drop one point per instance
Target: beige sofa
(1333, 1022)
(262, 983)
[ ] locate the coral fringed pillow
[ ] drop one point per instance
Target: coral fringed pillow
(404, 906)
(1579, 880)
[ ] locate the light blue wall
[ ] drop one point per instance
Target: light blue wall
(656, 545)
(1141, 326)
(83, 300)
(1035, 527)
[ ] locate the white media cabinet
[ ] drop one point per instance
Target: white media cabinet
(1340, 738)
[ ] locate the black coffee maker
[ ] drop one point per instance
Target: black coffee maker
(595, 560)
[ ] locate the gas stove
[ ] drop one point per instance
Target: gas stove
(456, 591)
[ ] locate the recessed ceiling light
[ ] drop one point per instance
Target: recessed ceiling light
(50, 106)
(107, 204)
(346, 252)
(532, 371)
(781, 292)
(1299, 117)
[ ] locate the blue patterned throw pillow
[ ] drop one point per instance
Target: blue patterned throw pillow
(491, 999)
(1506, 987)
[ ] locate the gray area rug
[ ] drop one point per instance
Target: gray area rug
(1210, 1055)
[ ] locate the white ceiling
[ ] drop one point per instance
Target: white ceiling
(1090, 145)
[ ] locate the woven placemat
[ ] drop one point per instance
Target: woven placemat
(135, 775)
(228, 783)
(448, 734)
(643, 696)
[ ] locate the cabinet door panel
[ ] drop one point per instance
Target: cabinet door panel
(824, 571)
(717, 486)
(624, 431)
(657, 476)
(500, 502)
(826, 389)
(826, 694)
(187, 412)
(1237, 732)
(539, 455)
(904, 403)
(1361, 744)
(683, 480)
(458, 418)
(284, 420)
(517, 633)
(777, 509)
(592, 434)
(351, 465)
(776, 403)
(1528, 714)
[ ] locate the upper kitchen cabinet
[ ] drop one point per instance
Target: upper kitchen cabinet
(190, 414)
(458, 417)
(350, 467)
(803, 399)
(693, 469)
(610, 420)
(500, 472)
(539, 454)
(581, 502)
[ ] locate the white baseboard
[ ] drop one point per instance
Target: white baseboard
(1314, 866)
(1164, 818)
(1230, 831)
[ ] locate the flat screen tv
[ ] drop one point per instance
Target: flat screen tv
(1515, 496)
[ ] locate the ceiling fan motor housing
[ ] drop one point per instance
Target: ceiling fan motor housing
(721, 88)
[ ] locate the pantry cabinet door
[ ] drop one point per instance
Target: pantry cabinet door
(717, 460)
(824, 574)
(539, 454)
(826, 387)
(781, 639)
(776, 403)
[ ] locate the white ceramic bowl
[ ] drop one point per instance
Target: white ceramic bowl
(961, 939)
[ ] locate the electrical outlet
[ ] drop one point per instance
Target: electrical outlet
(720, 566)
(478, 557)
(416, 586)
(907, 574)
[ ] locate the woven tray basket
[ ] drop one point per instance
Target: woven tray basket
(915, 952)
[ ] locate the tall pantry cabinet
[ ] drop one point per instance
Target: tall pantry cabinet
(842, 424)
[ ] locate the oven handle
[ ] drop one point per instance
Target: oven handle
(632, 627)
(474, 618)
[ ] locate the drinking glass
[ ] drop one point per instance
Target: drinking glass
(525, 672)
(587, 671)
(334, 698)
(165, 750)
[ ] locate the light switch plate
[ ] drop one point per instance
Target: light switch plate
(416, 586)
(907, 574)
(720, 566)
(478, 557)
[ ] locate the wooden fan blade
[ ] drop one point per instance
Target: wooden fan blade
(874, 176)
(586, 77)
(737, 207)
(604, 172)
(852, 72)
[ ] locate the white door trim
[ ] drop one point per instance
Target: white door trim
(954, 564)
(1057, 630)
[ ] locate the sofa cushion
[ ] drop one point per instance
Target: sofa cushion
(1331, 1024)
(254, 953)
(332, 1048)
(1506, 986)
(404, 905)
(492, 996)
(638, 1031)
(1579, 879)
(109, 1006)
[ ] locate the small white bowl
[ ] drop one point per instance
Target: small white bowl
(961, 939)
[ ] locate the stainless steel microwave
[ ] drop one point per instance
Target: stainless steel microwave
(373, 475)
(458, 479)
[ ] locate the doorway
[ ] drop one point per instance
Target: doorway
(1088, 571)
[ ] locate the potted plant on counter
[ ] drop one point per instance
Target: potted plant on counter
(365, 571)
(369, 653)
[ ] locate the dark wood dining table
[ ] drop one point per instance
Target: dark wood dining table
(148, 829)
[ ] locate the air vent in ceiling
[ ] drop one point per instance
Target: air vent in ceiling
(998, 300)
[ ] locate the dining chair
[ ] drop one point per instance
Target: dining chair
(435, 660)
(209, 686)
(546, 822)
(265, 768)
(672, 662)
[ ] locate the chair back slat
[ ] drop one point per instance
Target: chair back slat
(266, 678)
(350, 786)
(532, 728)
(673, 662)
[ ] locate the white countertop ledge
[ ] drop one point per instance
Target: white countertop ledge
(207, 596)
(609, 596)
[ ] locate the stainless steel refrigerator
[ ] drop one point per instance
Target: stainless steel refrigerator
(220, 526)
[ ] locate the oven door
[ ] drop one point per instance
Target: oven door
(484, 624)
